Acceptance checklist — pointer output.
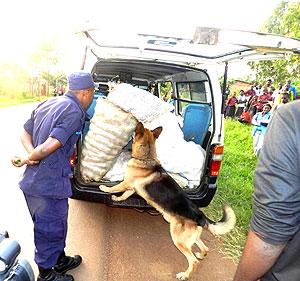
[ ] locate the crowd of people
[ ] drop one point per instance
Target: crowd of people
(256, 105)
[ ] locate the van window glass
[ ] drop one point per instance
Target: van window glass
(192, 91)
(143, 87)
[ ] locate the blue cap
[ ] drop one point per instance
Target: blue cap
(80, 81)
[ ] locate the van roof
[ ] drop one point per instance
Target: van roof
(207, 45)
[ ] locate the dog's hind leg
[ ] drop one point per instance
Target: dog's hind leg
(124, 196)
(203, 248)
(184, 235)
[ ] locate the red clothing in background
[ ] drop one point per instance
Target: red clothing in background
(262, 100)
(232, 101)
(250, 93)
(245, 117)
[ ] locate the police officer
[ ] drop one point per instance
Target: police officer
(49, 137)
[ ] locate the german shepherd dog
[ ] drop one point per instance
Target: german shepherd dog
(145, 176)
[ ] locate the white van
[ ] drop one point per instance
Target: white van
(188, 67)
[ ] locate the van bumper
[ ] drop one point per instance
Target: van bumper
(94, 194)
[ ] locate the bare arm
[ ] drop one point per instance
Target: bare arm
(258, 257)
(26, 140)
(44, 149)
(35, 154)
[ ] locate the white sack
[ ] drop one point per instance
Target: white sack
(142, 104)
(175, 153)
(117, 172)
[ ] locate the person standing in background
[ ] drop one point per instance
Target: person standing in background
(241, 103)
(271, 252)
(230, 109)
(260, 122)
(291, 88)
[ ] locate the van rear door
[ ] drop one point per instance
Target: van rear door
(202, 46)
(194, 48)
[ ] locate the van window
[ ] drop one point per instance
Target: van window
(143, 87)
(192, 91)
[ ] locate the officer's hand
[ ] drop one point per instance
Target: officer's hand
(19, 162)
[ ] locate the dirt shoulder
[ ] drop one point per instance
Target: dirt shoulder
(128, 245)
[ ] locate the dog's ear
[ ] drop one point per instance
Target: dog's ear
(139, 130)
(156, 132)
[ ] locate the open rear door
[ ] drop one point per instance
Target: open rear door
(251, 45)
(193, 48)
(203, 45)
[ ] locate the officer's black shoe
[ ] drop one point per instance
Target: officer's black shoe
(66, 263)
(51, 275)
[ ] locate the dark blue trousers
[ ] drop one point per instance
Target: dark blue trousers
(49, 217)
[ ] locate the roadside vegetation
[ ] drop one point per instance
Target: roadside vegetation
(10, 101)
(38, 77)
(283, 21)
(235, 184)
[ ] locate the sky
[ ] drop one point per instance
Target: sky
(25, 23)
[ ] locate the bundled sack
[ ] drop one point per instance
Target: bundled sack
(142, 104)
(110, 130)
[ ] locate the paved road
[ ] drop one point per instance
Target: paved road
(116, 244)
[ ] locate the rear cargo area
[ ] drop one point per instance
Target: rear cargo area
(105, 147)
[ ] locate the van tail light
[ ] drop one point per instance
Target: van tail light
(216, 160)
(73, 158)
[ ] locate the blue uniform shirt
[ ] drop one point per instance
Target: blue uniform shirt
(61, 118)
(261, 121)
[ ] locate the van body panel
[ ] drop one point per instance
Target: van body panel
(190, 64)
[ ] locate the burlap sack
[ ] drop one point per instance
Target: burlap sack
(110, 130)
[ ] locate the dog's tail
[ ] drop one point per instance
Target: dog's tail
(223, 226)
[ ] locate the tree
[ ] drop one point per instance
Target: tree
(56, 80)
(35, 75)
(43, 64)
(165, 89)
(285, 20)
(13, 80)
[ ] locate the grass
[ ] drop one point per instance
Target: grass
(235, 184)
(10, 101)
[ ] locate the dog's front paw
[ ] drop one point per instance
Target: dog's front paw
(115, 198)
(182, 276)
(104, 188)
